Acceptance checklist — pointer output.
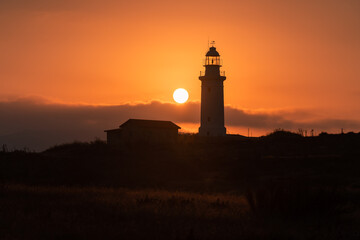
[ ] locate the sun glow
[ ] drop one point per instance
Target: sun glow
(180, 95)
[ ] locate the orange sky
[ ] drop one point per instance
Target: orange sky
(278, 55)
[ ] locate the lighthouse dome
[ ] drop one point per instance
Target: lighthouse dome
(212, 52)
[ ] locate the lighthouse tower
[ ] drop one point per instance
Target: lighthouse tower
(212, 96)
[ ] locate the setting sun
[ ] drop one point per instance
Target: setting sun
(180, 95)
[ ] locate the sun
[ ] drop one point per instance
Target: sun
(180, 95)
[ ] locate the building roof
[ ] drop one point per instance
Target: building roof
(113, 130)
(148, 124)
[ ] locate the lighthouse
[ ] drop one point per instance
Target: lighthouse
(212, 96)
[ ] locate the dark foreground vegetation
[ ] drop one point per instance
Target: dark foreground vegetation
(282, 186)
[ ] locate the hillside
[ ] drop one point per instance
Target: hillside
(283, 181)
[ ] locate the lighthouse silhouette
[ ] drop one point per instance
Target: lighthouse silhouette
(212, 96)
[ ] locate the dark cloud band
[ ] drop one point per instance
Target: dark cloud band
(39, 124)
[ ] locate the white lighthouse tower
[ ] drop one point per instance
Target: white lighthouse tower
(212, 96)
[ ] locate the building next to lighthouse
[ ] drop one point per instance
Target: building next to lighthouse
(212, 96)
(143, 131)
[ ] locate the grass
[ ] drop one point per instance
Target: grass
(93, 213)
(281, 186)
(48, 212)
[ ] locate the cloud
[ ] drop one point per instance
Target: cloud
(37, 123)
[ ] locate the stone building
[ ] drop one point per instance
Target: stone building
(143, 131)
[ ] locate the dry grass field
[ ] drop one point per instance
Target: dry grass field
(282, 186)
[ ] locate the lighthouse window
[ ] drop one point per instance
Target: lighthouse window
(212, 60)
(209, 119)
(209, 89)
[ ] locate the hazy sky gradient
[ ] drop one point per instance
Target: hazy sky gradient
(280, 55)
